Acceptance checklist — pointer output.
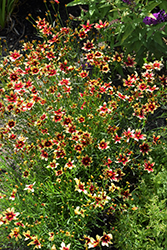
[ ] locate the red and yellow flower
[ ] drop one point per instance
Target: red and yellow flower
(15, 233)
(103, 144)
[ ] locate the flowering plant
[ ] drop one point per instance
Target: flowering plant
(146, 223)
(72, 139)
(127, 27)
(6, 8)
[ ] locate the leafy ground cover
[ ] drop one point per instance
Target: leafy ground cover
(83, 143)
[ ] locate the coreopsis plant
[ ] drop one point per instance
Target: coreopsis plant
(71, 140)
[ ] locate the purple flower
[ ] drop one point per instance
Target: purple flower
(127, 1)
(160, 17)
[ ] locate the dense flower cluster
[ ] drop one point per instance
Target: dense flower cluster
(74, 137)
(160, 17)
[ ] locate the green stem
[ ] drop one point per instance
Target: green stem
(3, 13)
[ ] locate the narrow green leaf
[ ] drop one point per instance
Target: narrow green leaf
(151, 6)
(105, 5)
(149, 33)
(136, 46)
(92, 9)
(118, 9)
(3, 13)
(10, 6)
(128, 30)
(77, 2)
(158, 39)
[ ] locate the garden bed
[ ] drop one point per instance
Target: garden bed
(83, 143)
